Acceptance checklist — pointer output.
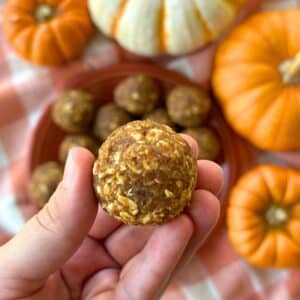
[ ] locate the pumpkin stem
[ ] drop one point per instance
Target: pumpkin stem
(290, 70)
(44, 12)
(276, 216)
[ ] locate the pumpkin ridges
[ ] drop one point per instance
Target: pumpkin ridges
(40, 41)
(118, 17)
(52, 2)
(236, 89)
(267, 126)
(22, 39)
(247, 203)
(262, 28)
(208, 33)
(242, 219)
(162, 33)
(288, 252)
(292, 196)
(12, 30)
(292, 21)
(59, 33)
(295, 211)
(26, 7)
(253, 183)
(235, 3)
(252, 114)
(290, 122)
(13, 19)
(276, 184)
(85, 30)
(266, 251)
(250, 239)
(293, 229)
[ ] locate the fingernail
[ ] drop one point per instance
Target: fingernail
(70, 169)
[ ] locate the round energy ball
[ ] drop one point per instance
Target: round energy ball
(71, 141)
(137, 94)
(109, 117)
(161, 116)
(188, 106)
(44, 182)
(73, 111)
(208, 142)
(145, 173)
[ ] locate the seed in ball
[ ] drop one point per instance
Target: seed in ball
(71, 141)
(145, 173)
(44, 182)
(74, 111)
(188, 106)
(109, 117)
(138, 95)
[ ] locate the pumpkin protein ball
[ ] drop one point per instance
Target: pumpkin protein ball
(71, 141)
(44, 182)
(73, 111)
(109, 117)
(161, 116)
(138, 95)
(188, 106)
(207, 140)
(145, 173)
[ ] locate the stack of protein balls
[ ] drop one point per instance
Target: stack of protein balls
(186, 110)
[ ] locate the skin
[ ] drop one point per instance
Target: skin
(71, 248)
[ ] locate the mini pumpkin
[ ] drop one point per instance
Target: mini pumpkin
(257, 80)
(48, 32)
(263, 216)
(163, 26)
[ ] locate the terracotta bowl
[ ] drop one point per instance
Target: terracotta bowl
(47, 136)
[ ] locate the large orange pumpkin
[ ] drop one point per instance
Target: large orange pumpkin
(264, 216)
(257, 80)
(48, 32)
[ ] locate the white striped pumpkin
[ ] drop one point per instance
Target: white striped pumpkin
(154, 27)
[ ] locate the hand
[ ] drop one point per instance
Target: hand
(72, 249)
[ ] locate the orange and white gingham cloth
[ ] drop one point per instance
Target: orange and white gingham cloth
(217, 273)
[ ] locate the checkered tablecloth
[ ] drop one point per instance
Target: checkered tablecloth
(217, 273)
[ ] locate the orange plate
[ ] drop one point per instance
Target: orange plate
(101, 83)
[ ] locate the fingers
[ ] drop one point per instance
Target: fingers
(204, 212)
(55, 233)
(210, 176)
(103, 225)
(193, 144)
(89, 258)
(133, 239)
(144, 276)
(101, 286)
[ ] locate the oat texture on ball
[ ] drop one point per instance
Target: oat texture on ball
(145, 173)
(44, 182)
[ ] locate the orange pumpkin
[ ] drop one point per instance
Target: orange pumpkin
(48, 32)
(263, 217)
(257, 80)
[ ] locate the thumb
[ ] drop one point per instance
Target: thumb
(54, 234)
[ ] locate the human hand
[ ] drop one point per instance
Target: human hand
(72, 249)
